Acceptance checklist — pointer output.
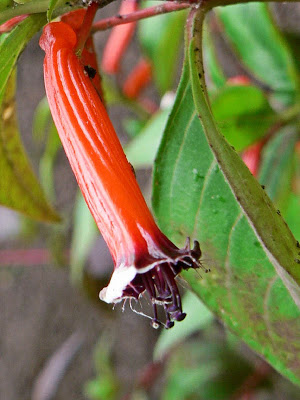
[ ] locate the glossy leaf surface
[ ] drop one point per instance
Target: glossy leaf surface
(195, 194)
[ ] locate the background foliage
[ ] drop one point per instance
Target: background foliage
(201, 189)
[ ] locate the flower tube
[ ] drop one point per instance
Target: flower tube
(145, 259)
(138, 79)
(88, 57)
(119, 39)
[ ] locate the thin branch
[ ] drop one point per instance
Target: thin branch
(39, 6)
(209, 4)
(108, 23)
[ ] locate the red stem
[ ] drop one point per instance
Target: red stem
(86, 26)
(110, 22)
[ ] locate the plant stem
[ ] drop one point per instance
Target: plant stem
(33, 7)
(108, 23)
(209, 4)
(86, 26)
(39, 6)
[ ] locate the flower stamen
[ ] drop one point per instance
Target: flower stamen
(159, 283)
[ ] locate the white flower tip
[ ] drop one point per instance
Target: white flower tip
(121, 277)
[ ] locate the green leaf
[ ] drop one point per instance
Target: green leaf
(44, 128)
(47, 162)
(6, 4)
(198, 317)
(13, 43)
(23, 1)
(133, 126)
(161, 39)
(19, 188)
(243, 114)
(53, 4)
(85, 232)
(214, 72)
(186, 383)
(260, 46)
(142, 149)
(113, 95)
(42, 118)
(293, 39)
(292, 214)
(278, 166)
(207, 367)
(203, 190)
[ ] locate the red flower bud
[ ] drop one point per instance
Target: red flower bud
(119, 39)
(145, 259)
(252, 155)
(138, 79)
(11, 23)
(241, 80)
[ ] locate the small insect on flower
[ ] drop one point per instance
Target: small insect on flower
(145, 259)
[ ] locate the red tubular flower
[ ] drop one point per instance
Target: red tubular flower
(138, 79)
(11, 23)
(88, 54)
(119, 39)
(145, 259)
(252, 155)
